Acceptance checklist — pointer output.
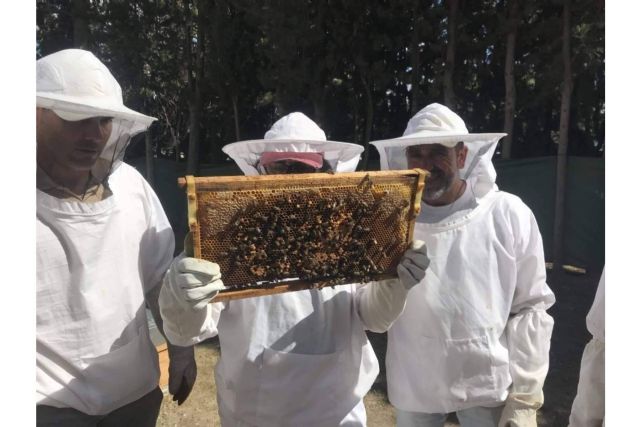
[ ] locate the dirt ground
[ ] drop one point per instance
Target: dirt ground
(574, 295)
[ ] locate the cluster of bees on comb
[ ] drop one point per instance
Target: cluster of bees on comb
(321, 237)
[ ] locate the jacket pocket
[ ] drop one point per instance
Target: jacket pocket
(305, 389)
(469, 369)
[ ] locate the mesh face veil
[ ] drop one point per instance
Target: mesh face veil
(295, 133)
(437, 124)
(113, 154)
(273, 162)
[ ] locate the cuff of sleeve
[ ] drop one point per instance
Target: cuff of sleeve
(380, 304)
(186, 328)
(519, 413)
(519, 418)
(525, 401)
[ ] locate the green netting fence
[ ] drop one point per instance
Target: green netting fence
(533, 180)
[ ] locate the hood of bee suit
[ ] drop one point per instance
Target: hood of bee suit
(297, 133)
(437, 124)
(76, 85)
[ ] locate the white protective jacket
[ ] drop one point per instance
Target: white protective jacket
(94, 264)
(596, 315)
(475, 330)
(296, 359)
(588, 409)
(300, 358)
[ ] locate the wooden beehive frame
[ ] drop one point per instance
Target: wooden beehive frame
(221, 192)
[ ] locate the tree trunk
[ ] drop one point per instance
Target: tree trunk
(449, 95)
(318, 102)
(509, 80)
(194, 134)
(416, 93)
(236, 121)
(368, 121)
(356, 118)
(195, 99)
(79, 10)
(561, 170)
(148, 153)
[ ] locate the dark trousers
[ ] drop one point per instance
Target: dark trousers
(139, 413)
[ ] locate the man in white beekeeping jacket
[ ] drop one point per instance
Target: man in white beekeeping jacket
(474, 337)
(300, 358)
(103, 246)
(588, 405)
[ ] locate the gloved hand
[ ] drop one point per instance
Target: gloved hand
(191, 283)
(186, 290)
(519, 412)
(182, 372)
(413, 265)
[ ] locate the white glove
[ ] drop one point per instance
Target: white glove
(187, 288)
(413, 265)
(193, 282)
(520, 412)
(380, 304)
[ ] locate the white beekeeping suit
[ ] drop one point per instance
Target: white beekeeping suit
(294, 359)
(475, 332)
(588, 405)
(97, 263)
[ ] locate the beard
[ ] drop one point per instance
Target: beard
(437, 184)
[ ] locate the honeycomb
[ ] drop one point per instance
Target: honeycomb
(315, 229)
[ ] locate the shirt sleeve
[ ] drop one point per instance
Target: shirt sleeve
(529, 326)
(158, 241)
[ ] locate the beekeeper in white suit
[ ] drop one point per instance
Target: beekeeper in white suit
(294, 359)
(103, 246)
(474, 337)
(589, 404)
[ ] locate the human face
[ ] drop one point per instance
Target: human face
(69, 148)
(288, 166)
(443, 164)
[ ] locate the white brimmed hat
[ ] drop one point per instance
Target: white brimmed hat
(437, 124)
(76, 86)
(294, 132)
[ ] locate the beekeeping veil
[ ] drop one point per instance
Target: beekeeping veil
(294, 132)
(75, 85)
(437, 124)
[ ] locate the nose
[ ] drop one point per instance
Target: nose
(425, 164)
(428, 166)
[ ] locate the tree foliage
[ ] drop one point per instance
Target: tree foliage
(216, 71)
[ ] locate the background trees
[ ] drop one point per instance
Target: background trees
(215, 71)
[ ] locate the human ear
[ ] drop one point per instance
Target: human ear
(461, 156)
